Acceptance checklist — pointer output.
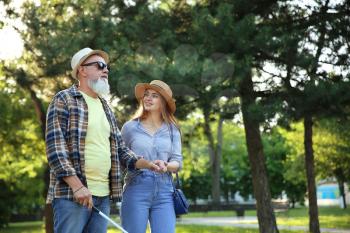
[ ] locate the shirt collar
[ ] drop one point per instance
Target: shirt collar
(74, 91)
(162, 127)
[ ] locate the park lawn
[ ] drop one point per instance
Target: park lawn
(329, 217)
(24, 227)
(38, 227)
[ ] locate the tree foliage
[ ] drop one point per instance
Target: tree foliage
(210, 52)
(22, 154)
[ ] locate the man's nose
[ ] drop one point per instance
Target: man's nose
(105, 71)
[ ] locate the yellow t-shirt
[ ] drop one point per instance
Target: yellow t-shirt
(97, 148)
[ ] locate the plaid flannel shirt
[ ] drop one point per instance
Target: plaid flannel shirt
(66, 128)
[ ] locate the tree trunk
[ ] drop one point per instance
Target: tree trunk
(218, 153)
(342, 193)
(266, 216)
(41, 116)
(314, 226)
(340, 176)
(215, 157)
(48, 211)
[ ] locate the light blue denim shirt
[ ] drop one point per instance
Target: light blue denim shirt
(161, 145)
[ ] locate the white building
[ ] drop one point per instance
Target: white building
(328, 194)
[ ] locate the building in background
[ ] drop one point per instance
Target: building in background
(328, 194)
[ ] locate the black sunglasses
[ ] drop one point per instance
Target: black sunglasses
(100, 65)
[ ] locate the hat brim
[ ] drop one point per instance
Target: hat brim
(101, 53)
(140, 89)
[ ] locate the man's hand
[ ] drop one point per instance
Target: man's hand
(83, 196)
(162, 165)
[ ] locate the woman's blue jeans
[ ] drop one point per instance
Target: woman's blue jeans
(148, 197)
(70, 217)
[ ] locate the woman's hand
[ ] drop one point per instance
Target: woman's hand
(162, 165)
(142, 163)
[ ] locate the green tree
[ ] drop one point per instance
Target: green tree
(306, 33)
(235, 165)
(332, 148)
(52, 34)
(276, 154)
(294, 174)
(196, 176)
(169, 50)
(178, 43)
(21, 162)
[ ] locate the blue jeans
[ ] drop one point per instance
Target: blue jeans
(148, 196)
(71, 217)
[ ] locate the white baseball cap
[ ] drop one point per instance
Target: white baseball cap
(80, 56)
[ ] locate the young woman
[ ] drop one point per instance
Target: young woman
(153, 132)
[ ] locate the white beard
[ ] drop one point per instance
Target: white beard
(99, 86)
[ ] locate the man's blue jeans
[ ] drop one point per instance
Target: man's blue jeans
(148, 196)
(70, 217)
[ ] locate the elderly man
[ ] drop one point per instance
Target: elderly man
(84, 148)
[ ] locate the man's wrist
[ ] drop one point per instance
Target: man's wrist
(78, 189)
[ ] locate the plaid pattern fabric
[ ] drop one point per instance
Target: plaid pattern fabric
(66, 127)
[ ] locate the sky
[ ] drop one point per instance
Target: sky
(11, 44)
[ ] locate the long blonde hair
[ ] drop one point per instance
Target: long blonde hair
(167, 116)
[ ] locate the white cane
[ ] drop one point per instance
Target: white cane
(110, 220)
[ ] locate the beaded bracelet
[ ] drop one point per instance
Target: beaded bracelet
(78, 189)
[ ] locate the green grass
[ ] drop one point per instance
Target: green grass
(330, 217)
(24, 227)
(211, 229)
(37, 227)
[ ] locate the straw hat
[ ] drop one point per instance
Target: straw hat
(80, 56)
(159, 86)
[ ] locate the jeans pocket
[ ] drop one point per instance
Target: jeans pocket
(135, 179)
(63, 204)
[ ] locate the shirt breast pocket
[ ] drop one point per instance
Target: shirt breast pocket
(163, 155)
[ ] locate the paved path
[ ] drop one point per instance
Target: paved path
(246, 222)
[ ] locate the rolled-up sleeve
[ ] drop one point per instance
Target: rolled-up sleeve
(56, 146)
(176, 153)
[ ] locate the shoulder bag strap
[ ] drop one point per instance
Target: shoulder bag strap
(177, 182)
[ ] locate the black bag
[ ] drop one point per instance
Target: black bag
(180, 202)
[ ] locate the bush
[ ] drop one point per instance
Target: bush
(6, 203)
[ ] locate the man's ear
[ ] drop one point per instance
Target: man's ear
(81, 71)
